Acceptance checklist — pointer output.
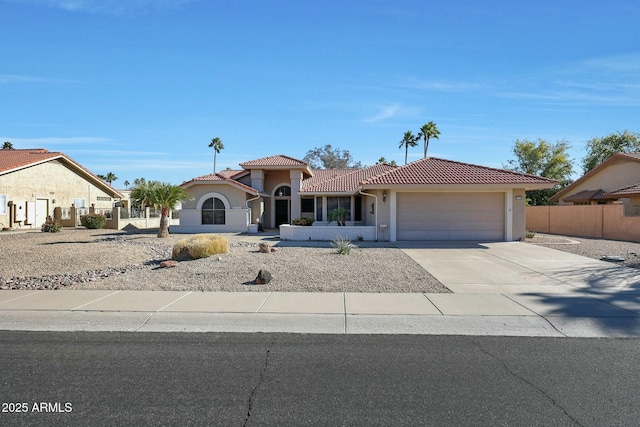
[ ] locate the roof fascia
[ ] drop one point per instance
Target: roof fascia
(230, 182)
(457, 187)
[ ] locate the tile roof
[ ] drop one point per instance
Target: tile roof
(587, 196)
(278, 160)
(224, 176)
(15, 159)
(631, 190)
(341, 180)
(431, 170)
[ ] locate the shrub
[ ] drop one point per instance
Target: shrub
(50, 226)
(530, 234)
(303, 221)
(199, 246)
(93, 221)
(342, 246)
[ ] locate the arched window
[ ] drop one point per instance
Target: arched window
(283, 191)
(213, 211)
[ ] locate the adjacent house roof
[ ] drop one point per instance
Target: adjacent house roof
(431, 170)
(616, 157)
(16, 159)
(588, 196)
(631, 190)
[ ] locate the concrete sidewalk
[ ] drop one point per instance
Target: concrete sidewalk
(524, 314)
(502, 288)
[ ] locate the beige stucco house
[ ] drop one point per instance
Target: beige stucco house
(615, 179)
(35, 181)
(429, 199)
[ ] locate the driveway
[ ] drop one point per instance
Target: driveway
(497, 276)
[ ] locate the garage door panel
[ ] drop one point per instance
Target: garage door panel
(450, 216)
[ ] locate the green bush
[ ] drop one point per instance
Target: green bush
(199, 246)
(50, 226)
(342, 246)
(93, 221)
(303, 221)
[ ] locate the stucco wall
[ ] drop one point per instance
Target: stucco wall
(326, 232)
(51, 181)
(599, 221)
(236, 197)
(519, 214)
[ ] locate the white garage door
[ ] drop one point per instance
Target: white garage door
(450, 216)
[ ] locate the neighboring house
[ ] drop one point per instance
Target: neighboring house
(617, 178)
(429, 199)
(35, 181)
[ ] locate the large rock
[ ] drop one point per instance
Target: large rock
(263, 277)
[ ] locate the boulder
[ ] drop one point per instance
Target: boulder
(263, 277)
(266, 248)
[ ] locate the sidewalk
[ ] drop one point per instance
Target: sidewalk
(558, 314)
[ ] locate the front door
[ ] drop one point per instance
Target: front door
(282, 212)
(42, 210)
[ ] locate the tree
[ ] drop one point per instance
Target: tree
(542, 159)
(409, 140)
(329, 158)
(102, 177)
(7, 146)
(110, 177)
(384, 161)
(427, 131)
(600, 149)
(161, 195)
(126, 184)
(216, 144)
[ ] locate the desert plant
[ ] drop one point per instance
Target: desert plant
(303, 221)
(93, 221)
(338, 215)
(530, 234)
(342, 246)
(199, 246)
(50, 226)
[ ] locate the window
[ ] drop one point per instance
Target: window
(357, 208)
(318, 208)
(3, 204)
(213, 211)
(306, 205)
(283, 191)
(334, 203)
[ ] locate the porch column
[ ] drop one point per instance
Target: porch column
(257, 179)
(392, 216)
(296, 184)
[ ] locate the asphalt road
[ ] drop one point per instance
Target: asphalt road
(277, 379)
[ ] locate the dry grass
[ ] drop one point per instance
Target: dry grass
(200, 246)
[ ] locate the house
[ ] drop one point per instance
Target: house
(35, 181)
(615, 179)
(429, 199)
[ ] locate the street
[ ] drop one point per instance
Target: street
(96, 378)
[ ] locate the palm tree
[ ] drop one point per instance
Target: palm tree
(126, 184)
(216, 144)
(7, 146)
(110, 177)
(161, 195)
(409, 140)
(427, 131)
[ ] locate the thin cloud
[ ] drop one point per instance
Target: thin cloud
(110, 7)
(385, 113)
(439, 86)
(47, 141)
(17, 78)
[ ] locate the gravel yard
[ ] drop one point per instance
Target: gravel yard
(109, 259)
(592, 248)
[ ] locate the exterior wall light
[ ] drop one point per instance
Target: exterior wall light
(384, 196)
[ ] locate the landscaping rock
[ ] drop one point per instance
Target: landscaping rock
(266, 248)
(168, 263)
(263, 277)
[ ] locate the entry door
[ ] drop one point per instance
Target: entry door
(42, 206)
(282, 212)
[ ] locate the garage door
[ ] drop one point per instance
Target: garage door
(450, 216)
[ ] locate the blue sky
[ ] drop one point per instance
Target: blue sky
(139, 87)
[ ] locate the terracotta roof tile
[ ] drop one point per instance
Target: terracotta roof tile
(630, 190)
(587, 196)
(15, 159)
(221, 177)
(432, 170)
(278, 160)
(341, 180)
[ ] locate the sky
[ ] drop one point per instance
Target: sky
(140, 87)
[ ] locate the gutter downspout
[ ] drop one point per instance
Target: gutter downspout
(375, 214)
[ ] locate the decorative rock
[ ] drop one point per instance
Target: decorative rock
(168, 263)
(266, 248)
(263, 277)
